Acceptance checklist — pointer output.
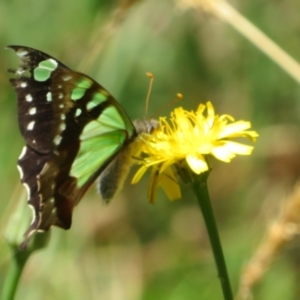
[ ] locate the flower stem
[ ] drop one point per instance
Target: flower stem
(15, 270)
(201, 190)
(18, 261)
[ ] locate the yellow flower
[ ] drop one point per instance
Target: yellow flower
(190, 136)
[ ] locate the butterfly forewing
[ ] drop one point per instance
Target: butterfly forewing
(72, 127)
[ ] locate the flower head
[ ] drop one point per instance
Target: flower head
(190, 137)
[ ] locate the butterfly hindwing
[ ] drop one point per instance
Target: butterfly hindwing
(73, 129)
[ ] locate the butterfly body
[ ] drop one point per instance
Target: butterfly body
(74, 131)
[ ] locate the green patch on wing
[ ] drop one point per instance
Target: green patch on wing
(110, 120)
(94, 152)
(43, 71)
(98, 98)
(81, 88)
(100, 140)
(115, 118)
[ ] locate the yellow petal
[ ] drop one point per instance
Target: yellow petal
(234, 128)
(139, 174)
(229, 150)
(223, 154)
(192, 136)
(169, 184)
(153, 184)
(166, 165)
(197, 164)
(239, 148)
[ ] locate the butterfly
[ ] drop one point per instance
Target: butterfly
(74, 131)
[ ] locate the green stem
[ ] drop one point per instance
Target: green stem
(18, 262)
(20, 249)
(14, 273)
(201, 190)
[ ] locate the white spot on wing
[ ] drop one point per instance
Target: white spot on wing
(27, 190)
(23, 84)
(34, 217)
(20, 71)
(78, 112)
(62, 127)
(38, 183)
(41, 199)
(66, 77)
(20, 171)
(61, 105)
(30, 125)
(23, 152)
(49, 96)
(60, 95)
(33, 214)
(32, 111)
(44, 170)
(41, 204)
(28, 98)
(57, 140)
(62, 116)
(22, 53)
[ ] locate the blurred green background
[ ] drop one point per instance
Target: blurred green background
(131, 249)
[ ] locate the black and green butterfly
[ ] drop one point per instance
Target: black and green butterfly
(74, 131)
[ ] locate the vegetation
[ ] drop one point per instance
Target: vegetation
(131, 249)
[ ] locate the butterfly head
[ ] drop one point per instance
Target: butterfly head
(145, 125)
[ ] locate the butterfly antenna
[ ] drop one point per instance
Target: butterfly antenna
(150, 75)
(179, 96)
